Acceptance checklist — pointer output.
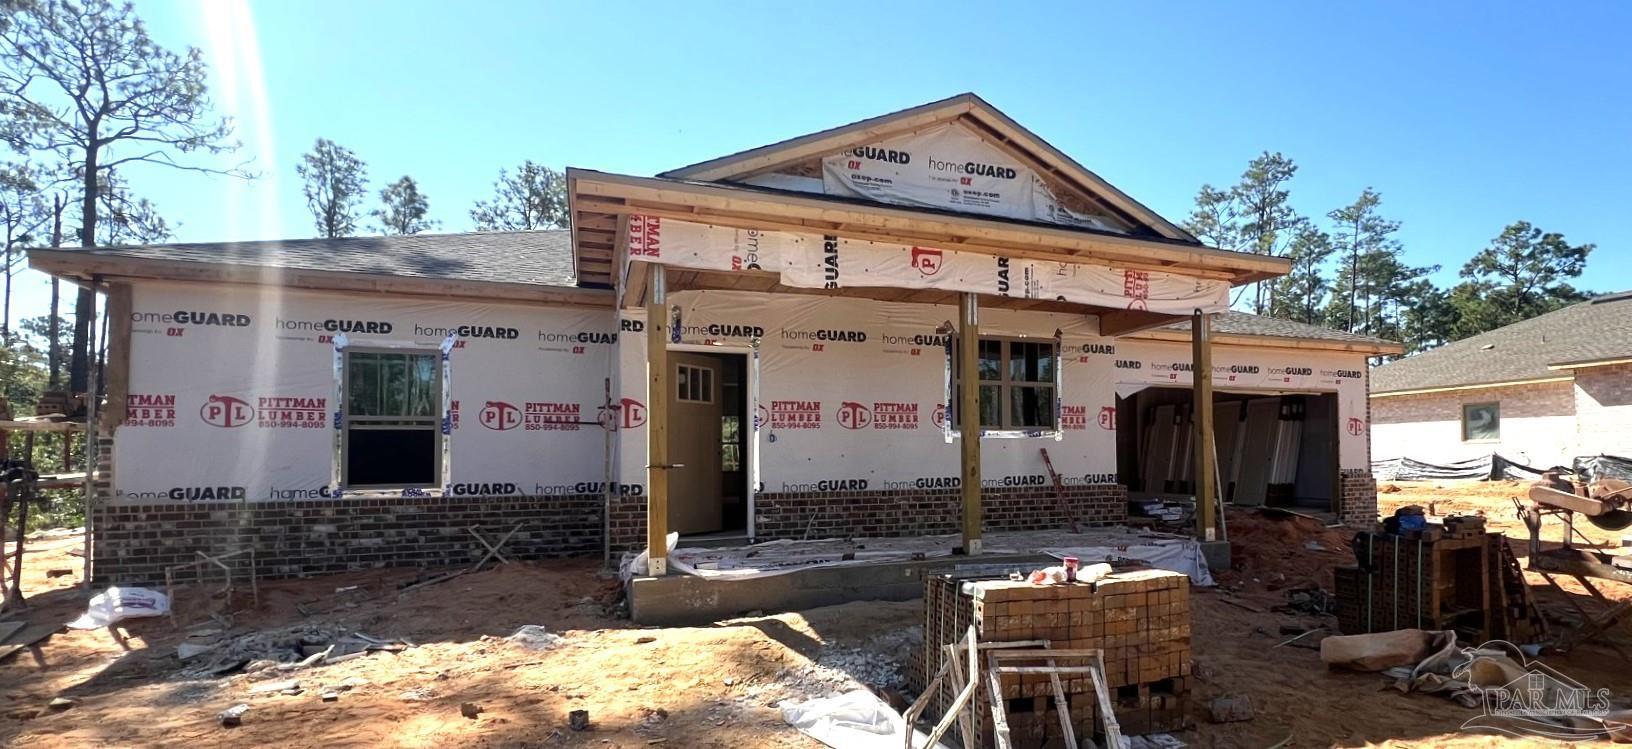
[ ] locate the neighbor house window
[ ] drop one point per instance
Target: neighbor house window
(1016, 383)
(694, 384)
(1481, 421)
(393, 400)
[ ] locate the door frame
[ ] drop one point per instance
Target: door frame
(750, 361)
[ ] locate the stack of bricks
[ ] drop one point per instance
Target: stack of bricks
(1141, 619)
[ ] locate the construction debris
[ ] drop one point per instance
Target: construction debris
(1231, 709)
(233, 716)
(470, 710)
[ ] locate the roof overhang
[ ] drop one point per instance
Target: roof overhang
(1368, 348)
(1588, 363)
(596, 195)
(1462, 388)
(83, 266)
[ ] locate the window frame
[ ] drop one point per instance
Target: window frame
(691, 371)
(1007, 386)
(432, 422)
(1496, 409)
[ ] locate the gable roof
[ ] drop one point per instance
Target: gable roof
(1597, 330)
(981, 116)
(522, 257)
(1299, 335)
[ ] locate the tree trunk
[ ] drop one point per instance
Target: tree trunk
(5, 320)
(85, 302)
(54, 323)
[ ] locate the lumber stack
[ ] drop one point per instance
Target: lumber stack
(1140, 619)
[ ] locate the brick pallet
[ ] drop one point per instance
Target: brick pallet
(1141, 619)
(1457, 577)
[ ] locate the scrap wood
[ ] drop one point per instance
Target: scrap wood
(27, 637)
(1240, 604)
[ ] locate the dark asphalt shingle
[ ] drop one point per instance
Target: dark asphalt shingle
(1245, 323)
(525, 257)
(1594, 330)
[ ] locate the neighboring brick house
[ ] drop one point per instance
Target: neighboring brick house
(1539, 392)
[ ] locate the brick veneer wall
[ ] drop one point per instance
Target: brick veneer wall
(135, 542)
(1357, 507)
(1603, 410)
(900, 512)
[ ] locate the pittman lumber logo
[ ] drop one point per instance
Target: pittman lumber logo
(150, 410)
(630, 414)
(176, 323)
(226, 411)
(645, 236)
(1073, 417)
(927, 261)
(853, 415)
(895, 415)
(500, 416)
(551, 417)
(291, 412)
(796, 414)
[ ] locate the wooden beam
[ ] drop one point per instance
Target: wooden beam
(1123, 322)
(765, 222)
(1376, 348)
(1187, 258)
(117, 387)
(657, 425)
(1201, 418)
(969, 415)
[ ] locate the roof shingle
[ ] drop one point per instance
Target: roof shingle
(1596, 330)
(525, 257)
(1245, 323)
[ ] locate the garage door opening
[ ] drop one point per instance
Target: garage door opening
(1275, 450)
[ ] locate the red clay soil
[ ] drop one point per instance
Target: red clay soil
(711, 686)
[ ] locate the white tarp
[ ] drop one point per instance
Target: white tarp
(817, 262)
(233, 392)
(951, 168)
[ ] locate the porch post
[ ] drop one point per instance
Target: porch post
(969, 415)
(657, 423)
(1201, 377)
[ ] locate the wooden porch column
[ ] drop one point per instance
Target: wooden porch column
(1201, 377)
(969, 414)
(657, 423)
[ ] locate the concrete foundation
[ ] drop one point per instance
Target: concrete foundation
(1217, 554)
(679, 600)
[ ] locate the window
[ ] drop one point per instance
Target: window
(1481, 421)
(1016, 383)
(694, 384)
(393, 406)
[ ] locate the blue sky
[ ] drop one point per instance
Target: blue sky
(1465, 116)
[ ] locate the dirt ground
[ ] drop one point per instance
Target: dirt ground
(712, 686)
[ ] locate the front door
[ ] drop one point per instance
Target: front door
(696, 499)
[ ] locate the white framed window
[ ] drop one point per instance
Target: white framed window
(391, 433)
(1481, 422)
(694, 384)
(1017, 390)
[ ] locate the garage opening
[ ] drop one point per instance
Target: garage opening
(1274, 449)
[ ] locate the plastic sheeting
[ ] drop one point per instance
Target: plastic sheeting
(857, 719)
(1595, 467)
(1491, 467)
(234, 392)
